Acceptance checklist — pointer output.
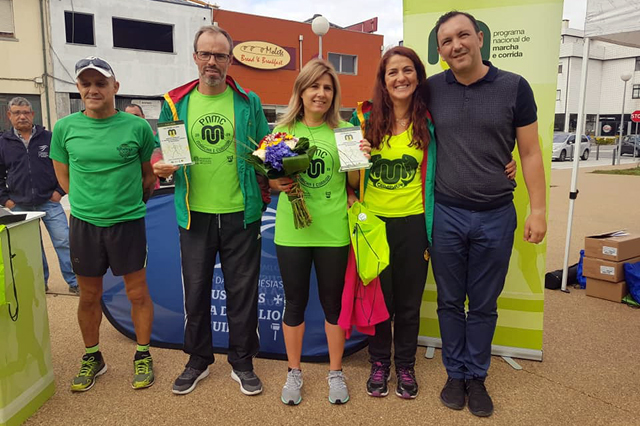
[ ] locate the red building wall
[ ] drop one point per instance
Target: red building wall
(274, 86)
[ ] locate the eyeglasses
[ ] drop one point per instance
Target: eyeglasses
(221, 58)
(97, 62)
(19, 113)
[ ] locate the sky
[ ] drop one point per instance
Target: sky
(347, 12)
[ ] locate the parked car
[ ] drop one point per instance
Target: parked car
(564, 143)
(628, 143)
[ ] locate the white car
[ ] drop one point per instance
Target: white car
(564, 144)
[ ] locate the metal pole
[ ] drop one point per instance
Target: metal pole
(320, 47)
(300, 38)
(576, 158)
(624, 95)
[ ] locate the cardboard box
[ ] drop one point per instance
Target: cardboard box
(605, 270)
(616, 246)
(606, 290)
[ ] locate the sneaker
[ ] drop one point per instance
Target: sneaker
(407, 387)
(46, 288)
(92, 366)
(291, 390)
(250, 384)
(187, 381)
(480, 403)
(453, 394)
(377, 383)
(338, 392)
(143, 373)
(75, 290)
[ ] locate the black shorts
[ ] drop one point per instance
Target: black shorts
(121, 247)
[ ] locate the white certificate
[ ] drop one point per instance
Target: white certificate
(348, 141)
(174, 143)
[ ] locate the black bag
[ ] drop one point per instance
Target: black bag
(553, 280)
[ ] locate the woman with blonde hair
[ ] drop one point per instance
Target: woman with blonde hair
(313, 113)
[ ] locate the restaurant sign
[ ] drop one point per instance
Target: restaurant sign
(262, 55)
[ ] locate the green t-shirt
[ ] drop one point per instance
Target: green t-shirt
(214, 183)
(105, 159)
(394, 188)
(325, 194)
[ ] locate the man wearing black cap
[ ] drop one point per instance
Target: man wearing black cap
(101, 158)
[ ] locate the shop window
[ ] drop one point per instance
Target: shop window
(6, 19)
(142, 35)
(79, 28)
(560, 69)
(636, 91)
(344, 64)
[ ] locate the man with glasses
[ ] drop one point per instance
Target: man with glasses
(101, 158)
(28, 182)
(219, 204)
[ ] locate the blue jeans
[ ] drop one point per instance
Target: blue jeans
(56, 223)
(470, 258)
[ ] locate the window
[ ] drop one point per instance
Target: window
(636, 91)
(6, 18)
(638, 64)
(79, 28)
(141, 35)
(558, 94)
(344, 64)
(560, 69)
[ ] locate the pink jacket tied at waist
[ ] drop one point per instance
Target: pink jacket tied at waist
(362, 306)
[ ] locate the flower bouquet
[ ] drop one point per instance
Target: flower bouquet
(283, 155)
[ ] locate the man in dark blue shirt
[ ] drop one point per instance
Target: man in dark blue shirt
(28, 182)
(480, 113)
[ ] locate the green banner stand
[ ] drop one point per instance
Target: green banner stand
(26, 371)
(521, 36)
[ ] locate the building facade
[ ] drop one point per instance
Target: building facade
(355, 53)
(604, 95)
(25, 65)
(151, 53)
(147, 42)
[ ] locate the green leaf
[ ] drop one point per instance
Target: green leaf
(302, 146)
(297, 164)
(311, 151)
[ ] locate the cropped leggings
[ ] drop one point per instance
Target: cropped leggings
(295, 269)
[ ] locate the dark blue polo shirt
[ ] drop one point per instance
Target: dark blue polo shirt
(476, 133)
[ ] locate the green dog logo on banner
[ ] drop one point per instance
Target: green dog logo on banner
(433, 57)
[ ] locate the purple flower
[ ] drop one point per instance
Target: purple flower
(275, 154)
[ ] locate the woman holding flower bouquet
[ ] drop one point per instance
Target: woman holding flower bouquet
(313, 113)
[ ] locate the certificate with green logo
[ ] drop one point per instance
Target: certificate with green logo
(351, 157)
(174, 143)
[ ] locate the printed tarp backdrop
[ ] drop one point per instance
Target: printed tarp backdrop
(165, 285)
(522, 36)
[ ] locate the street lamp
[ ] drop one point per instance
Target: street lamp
(320, 26)
(625, 77)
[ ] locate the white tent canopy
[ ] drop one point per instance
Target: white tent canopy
(613, 21)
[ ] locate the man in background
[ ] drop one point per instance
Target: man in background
(28, 182)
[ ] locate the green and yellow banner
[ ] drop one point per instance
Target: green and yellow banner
(521, 36)
(26, 370)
